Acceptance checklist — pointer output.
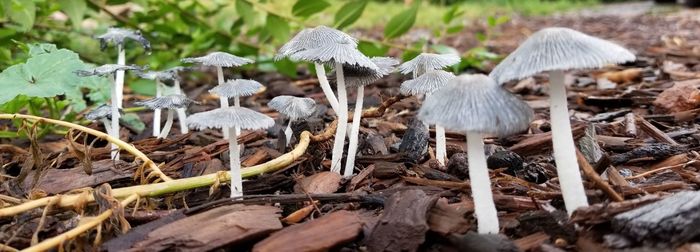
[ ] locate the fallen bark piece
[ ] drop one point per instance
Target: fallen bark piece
(137, 234)
(532, 241)
(320, 234)
(683, 95)
(57, 181)
(668, 222)
(444, 219)
(222, 226)
(322, 182)
(483, 243)
(403, 223)
(604, 212)
(414, 143)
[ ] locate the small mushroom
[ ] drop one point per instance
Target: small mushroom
(428, 61)
(103, 114)
(159, 77)
(106, 69)
(475, 104)
(294, 108)
(169, 102)
(230, 118)
(119, 35)
(426, 84)
(236, 89)
(181, 112)
(220, 60)
(555, 50)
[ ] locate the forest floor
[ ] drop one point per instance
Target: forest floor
(635, 125)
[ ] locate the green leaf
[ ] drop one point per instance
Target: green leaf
(306, 8)
(21, 12)
(451, 14)
(349, 13)
(402, 22)
(286, 67)
(409, 55)
(247, 12)
(75, 9)
(143, 87)
(372, 49)
(277, 27)
(455, 29)
(133, 121)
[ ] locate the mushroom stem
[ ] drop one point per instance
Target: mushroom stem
(222, 100)
(326, 87)
(563, 145)
(339, 142)
(235, 164)
(181, 113)
(157, 112)
(484, 207)
(114, 132)
(440, 144)
(354, 133)
(288, 132)
(237, 104)
(168, 124)
(107, 124)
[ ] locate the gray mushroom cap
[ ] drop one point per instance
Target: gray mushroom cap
(293, 107)
(428, 61)
(311, 38)
(558, 48)
(157, 75)
(166, 102)
(119, 35)
(361, 76)
(344, 51)
(102, 111)
(426, 83)
(230, 117)
(221, 59)
(237, 87)
(106, 69)
(475, 103)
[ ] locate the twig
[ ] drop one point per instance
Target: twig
(593, 175)
(655, 132)
(42, 221)
(660, 169)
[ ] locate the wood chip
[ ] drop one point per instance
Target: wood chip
(322, 182)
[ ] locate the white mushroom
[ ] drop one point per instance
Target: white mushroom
(159, 77)
(428, 61)
(230, 118)
(294, 108)
(169, 102)
(476, 105)
(103, 114)
(236, 89)
(555, 50)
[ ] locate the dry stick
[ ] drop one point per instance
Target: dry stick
(660, 169)
(593, 175)
(42, 220)
(655, 132)
(116, 141)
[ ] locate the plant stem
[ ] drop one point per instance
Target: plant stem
(339, 142)
(235, 163)
(326, 87)
(563, 145)
(440, 145)
(107, 124)
(484, 207)
(237, 104)
(354, 132)
(156, 112)
(222, 100)
(134, 109)
(117, 97)
(168, 124)
(288, 132)
(181, 113)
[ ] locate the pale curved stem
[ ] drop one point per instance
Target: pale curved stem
(107, 124)
(354, 133)
(563, 145)
(117, 98)
(157, 112)
(326, 87)
(237, 103)
(168, 124)
(440, 144)
(181, 112)
(484, 207)
(114, 129)
(222, 100)
(339, 142)
(235, 163)
(288, 132)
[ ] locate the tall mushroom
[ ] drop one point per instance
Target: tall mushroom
(294, 108)
(237, 88)
(177, 89)
(230, 118)
(476, 105)
(359, 78)
(169, 102)
(555, 50)
(159, 77)
(220, 60)
(419, 65)
(426, 84)
(118, 36)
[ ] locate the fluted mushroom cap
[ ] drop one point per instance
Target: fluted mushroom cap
(426, 83)
(475, 103)
(221, 59)
(343, 51)
(119, 35)
(311, 38)
(166, 102)
(293, 107)
(106, 69)
(230, 117)
(361, 76)
(428, 61)
(102, 111)
(558, 48)
(237, 87)
(157, 75)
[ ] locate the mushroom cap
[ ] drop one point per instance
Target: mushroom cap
(107, 69)
(558, 48)
(238, 87)
(428, 61)
(475, 103)
(360, 76)
(119, 35)
(344, 51)
(293, 107)
(166, 102)
(157, 75)
(221, 59)
(230, 117)
(102, 111)
(311, 38)
(426, 83)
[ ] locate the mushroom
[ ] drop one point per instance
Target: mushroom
(426, 84)
(419, 65)
(102, 113)
(159, 77)
(236, 89)
(220, 60)
(294, 108)
(555, 50)
(118, 36)
(360, 77)
(169, 102)
(230, 118)
(477, 105)
(336, 50)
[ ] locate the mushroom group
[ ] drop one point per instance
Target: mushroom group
(170, 103)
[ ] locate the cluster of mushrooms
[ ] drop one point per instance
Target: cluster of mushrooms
(474, 104)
